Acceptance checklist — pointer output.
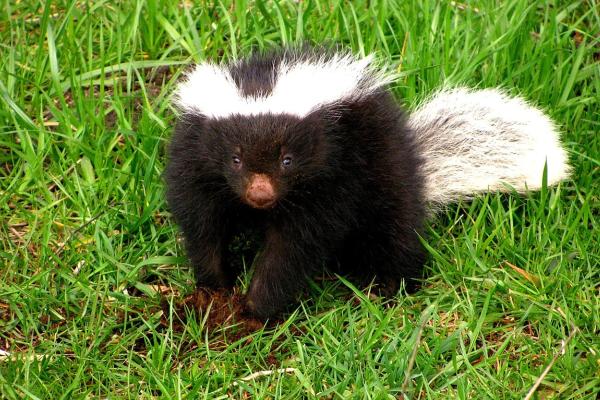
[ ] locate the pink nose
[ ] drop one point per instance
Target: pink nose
(260, 192)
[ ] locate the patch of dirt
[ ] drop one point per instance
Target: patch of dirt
(225, 308)
(578, 39)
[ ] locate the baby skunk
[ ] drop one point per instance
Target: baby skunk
(311, 148)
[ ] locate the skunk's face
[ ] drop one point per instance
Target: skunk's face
(270, 124)
(265, 157)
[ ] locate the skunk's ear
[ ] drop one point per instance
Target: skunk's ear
(190, 121)
(321, 119)
(317, 133)
(331, 114)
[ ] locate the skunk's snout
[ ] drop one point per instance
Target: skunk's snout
(260, 192)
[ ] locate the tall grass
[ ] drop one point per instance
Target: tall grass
(91, 274)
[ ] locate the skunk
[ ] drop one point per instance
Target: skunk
(310, 148)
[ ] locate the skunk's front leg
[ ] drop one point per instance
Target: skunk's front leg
(206, 238)
(281, 270)
(207, 257)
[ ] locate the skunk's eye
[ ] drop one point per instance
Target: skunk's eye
(236, 160)
(286, 161)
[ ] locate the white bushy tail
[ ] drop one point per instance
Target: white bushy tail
(476, 141)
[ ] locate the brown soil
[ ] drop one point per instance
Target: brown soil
(225, 308)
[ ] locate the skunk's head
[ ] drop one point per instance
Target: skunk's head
(264, 157)
(267, 124)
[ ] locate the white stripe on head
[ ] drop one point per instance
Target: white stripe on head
(300, 87)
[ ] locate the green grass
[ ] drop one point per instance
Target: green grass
(86, 243)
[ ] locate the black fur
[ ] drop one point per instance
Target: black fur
(351, 194)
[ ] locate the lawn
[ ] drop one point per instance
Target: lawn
(93, 278)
